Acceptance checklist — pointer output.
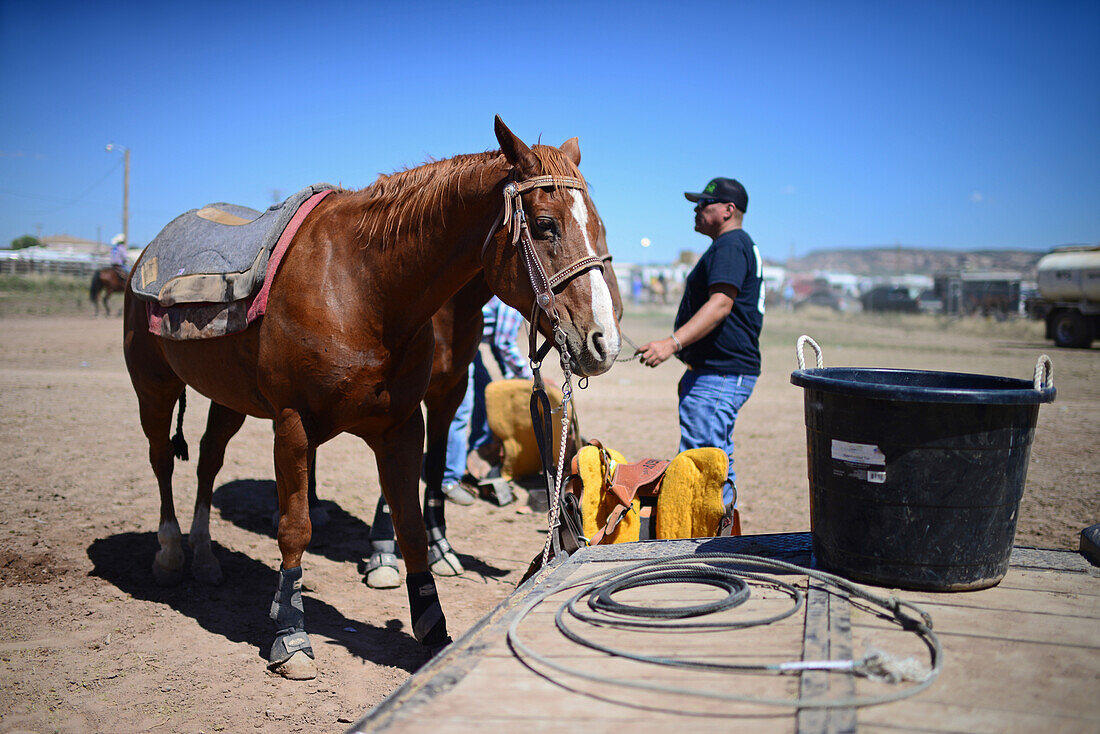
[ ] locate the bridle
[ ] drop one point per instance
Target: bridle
(513, 216)
(544, 286)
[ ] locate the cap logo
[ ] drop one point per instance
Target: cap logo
(710, 187)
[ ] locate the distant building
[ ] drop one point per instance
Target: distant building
(988, 293)
(64, 243)
(61, 254)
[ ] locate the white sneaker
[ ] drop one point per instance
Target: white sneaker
(458, 493)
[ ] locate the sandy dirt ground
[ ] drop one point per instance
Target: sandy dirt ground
(89, 643)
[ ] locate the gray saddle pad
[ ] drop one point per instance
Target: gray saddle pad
(216, 254)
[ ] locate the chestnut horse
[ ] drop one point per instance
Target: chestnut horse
(346, 346)
(106, 281)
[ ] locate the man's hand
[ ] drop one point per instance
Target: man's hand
(655, 352)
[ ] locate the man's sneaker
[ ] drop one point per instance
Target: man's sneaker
(458, 493)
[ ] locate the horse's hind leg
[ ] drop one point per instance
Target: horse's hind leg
(381, 570)
(155, 408)
(221, 425)
(441, 413)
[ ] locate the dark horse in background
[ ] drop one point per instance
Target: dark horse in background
(354, 355)
(106, 281)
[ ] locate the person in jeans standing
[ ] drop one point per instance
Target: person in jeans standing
(501, 325)
(717, 329)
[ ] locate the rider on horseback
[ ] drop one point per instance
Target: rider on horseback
(119, 261)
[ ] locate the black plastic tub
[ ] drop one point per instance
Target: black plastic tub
(916, 476)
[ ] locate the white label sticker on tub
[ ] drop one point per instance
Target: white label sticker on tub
(861, 453)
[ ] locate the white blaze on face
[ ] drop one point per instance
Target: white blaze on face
(602, 308)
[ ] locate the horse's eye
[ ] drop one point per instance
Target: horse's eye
(545, 224)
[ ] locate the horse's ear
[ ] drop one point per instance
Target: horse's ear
(515, 150)
(572, 149)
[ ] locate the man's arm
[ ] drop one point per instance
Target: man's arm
(718, 306)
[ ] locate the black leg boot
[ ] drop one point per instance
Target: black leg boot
(429, 624)
(289, 616)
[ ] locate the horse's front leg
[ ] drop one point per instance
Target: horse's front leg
(398, 457)
(291, 654)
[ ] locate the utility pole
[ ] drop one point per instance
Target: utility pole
(125, 191)
(126, 200)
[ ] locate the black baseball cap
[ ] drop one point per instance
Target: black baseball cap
(723, 189)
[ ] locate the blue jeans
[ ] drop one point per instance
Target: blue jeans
(470, 414)
(709, 402)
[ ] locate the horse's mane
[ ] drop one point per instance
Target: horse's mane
(409, 201)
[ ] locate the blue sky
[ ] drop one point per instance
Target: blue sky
(958, 125)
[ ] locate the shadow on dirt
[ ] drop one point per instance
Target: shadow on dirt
(238, 610)
(1039, 347)
(250, 504)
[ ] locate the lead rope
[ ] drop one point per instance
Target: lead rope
(515, 219)
(554, 519)
(540, 418)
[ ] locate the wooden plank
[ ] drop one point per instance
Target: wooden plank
(827, 636)
(1019, 657)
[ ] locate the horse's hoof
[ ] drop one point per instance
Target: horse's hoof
(207, 573)
(381, 570)
(441, 557)
(447, 565)
(166, 576)
(299, 667)
(434, 650)
(383, 577)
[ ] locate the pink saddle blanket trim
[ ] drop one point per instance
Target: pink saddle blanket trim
(257, 304)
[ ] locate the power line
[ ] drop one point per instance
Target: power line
(66, 203)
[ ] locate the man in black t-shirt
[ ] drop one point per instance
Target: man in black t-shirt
(717, 328)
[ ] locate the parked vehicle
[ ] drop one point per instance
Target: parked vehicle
(889, 298)
(823, 298)
(929, 301)
(1069, 284)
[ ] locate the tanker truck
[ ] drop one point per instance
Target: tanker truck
(1069, 284)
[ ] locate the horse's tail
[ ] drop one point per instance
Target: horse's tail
(179, 445)
(96, 285)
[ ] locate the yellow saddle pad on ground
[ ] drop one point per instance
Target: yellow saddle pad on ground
(689, 501)
(508, 404)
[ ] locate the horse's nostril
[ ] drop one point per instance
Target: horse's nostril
(597, 345)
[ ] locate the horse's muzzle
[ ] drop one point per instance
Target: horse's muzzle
(595, 353)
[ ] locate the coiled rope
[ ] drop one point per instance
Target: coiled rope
(727, 571)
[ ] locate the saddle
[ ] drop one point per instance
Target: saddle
(216, 254)
(508, 405)
(683, 497)
(208, 272)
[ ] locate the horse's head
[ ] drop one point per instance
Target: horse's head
(547, 204)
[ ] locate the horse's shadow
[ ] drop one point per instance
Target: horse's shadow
(251, 503)
(125, 560)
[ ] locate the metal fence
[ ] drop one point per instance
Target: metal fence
(22, 262)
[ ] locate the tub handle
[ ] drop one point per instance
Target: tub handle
(1044, 373)
(803, 340)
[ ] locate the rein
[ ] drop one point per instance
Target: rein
(513, 216)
